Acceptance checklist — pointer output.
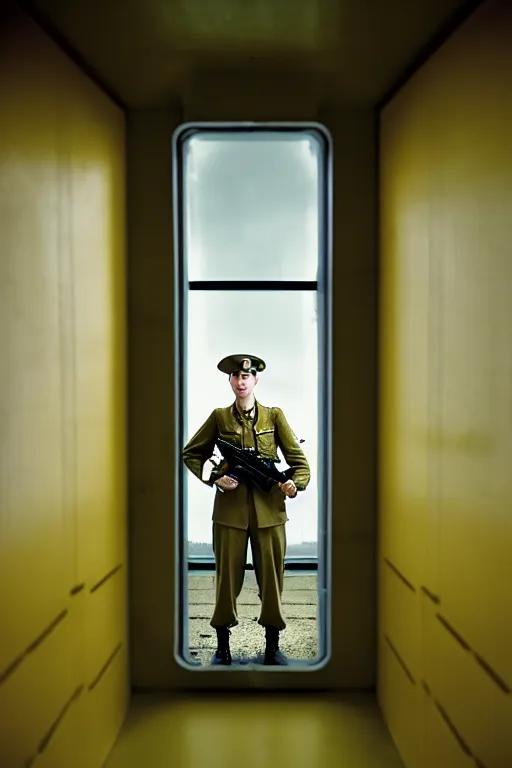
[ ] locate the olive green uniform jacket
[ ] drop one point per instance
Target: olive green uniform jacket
(270, 431)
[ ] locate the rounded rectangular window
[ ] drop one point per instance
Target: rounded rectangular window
(252, 267)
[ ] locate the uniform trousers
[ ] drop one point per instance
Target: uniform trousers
(268, 547)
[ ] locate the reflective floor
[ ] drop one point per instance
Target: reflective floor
(299, 731)
(299, 640)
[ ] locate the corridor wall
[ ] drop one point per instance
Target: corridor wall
(445, 533)
(63, 649)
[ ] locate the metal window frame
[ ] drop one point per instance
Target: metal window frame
(323, 288)
(290, 564)
(253, 285)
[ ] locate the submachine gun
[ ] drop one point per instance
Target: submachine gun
(245, 464)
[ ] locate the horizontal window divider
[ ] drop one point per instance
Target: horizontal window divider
(292, 565)
(253, 285)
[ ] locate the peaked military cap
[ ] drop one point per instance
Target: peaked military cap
(244, 363)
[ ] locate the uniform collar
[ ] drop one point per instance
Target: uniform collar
(238, 414)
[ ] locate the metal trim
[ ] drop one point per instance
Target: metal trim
(324, 288)
(253, 285)
(292, 565)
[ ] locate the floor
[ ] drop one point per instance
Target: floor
(285, 731)
(299, 640)
(299, 731)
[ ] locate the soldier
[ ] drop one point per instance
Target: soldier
(243, 512)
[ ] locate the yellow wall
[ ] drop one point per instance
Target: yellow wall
(63, 650)
(151, 360)
(445, 568)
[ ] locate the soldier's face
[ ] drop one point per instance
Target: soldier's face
(243, 384)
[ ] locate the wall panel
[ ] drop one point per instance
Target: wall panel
(31, 698)
(35, 530)
(446, 197)
(441, 748)
(405, 701)
(63, 566)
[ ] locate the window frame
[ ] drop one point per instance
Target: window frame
(323, 288)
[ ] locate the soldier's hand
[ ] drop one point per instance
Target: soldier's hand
(289, 488)
(227, 483)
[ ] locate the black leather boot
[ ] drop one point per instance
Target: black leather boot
(273, 656)
(222, 654)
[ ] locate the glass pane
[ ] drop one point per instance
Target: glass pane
(281, 328)
(251, 205)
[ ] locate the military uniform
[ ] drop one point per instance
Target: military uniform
(248, 513)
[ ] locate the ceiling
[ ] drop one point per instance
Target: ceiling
(147, 52)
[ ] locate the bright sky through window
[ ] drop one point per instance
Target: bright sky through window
(252, 211)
